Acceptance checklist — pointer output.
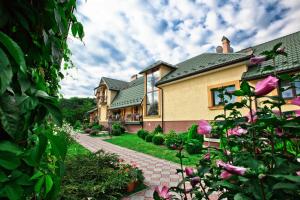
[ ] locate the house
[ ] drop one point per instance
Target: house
(93, 115)
(177, 96)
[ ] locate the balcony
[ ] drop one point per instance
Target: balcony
(102, 99)
(129, 119)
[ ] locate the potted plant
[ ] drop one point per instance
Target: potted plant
(135, 176)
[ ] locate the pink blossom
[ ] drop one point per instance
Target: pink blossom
(163, 193)
(279, 132)
(207, 156)
(236, 131)
(220, 163)
(195, 180)
(265, 86)
(189, 171)
(296, 101)
(276, 112)
(280, 50)
(298, 173)
(231, 168)
(258, 59)
(297, 113)
(225, 174)
(204, 127)
(254, 117)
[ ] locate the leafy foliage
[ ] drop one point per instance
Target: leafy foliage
(142, 133)
(158, 129)
(117, 129)
(149, 137)
(32, 46)
(158, 139)
(193, 146)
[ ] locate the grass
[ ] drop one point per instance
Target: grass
(132, 141)
(77, 149)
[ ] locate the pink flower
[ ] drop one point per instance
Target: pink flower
(207, 156)
(163, 193)
(258, 59)
(236, 131)
(225, 174)
(195, 180)
(297, 113)
(231, 168)
(279, 132)
(189, 171)
(296, 101)
(254, 117)
(280, 50)
(298, 173)
(265, 86)
(276, 112)
(204, 127)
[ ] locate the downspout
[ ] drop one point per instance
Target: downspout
(162, 109)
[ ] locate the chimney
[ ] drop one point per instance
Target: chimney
(133, 77)
(226, 45)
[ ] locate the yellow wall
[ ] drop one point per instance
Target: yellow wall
(110, 96)
(103, 113)
(188, 99)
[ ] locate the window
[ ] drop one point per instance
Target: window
(219, 96)
(291, 90)
(152, 93)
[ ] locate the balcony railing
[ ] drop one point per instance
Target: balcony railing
(129, 119)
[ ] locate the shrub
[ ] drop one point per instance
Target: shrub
(193, 146)
(93, 132)
(149, 137)
(77, 125)
(87, 130)
(158, 129)
(183, 136)
(98, 127)
(117, 129)
(158, 139)
(142, 133)
(193, 134)
(172, 140)
(101, 177)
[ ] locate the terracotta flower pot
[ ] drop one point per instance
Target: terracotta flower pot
(131, 186)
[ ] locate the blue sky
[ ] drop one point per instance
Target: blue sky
(123, 37)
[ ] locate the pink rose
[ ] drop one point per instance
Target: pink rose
(189, 171)
(207, 156)
(296, 101)
(225, 174)
(258, 59)
(254, 117)
(265, 86)
(236, 131)
(204, 127)
(279, 132)
(163, 193)
(195, 180)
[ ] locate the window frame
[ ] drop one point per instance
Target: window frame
(155, 89)
(210, 93)
(293, 88)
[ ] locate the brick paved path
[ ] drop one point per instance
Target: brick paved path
(156, 171)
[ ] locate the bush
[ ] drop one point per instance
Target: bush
(117, 129)
(149, 137)
(183, 136)
(158, 129)
(87, 130)
(77, 125)
(98, 127)
(93, 132)
(142, 133)
(193, 146)
(158, 139)
(193, 134)
(101, 177)
(172, 140)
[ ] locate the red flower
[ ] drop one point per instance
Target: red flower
(258, 59)
(296, 101)
(204, 127)
(189, 171)
(265, 86)
(163, 193)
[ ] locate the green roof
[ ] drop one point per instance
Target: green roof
(131, 96)
(114, 84)
(157, 63)
(284, 64)
(202, 63)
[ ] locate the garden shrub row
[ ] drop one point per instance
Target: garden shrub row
(191, 140)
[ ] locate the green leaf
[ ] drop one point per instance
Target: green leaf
(59, 146)
(5, 72)
(14, 49)
(10, 147)
(39, 184)
(3, 177)
(80, 30)
(245, 87)
(36, 175)
(276, 46)
(288, 177)
(9, 161)
(49, 183)
(283, 185)
(40, 148)
(240, 196)
(238, 93)
(74, 29)
(13, 192)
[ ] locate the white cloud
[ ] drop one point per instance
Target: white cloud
(123, 37)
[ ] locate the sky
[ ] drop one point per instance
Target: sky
(122, 37)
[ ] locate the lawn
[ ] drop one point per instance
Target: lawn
(76, 149)
(132, 141)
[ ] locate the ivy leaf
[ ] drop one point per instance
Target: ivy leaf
(14, 49)
(5, 72)
(10, 147)
(49, 183)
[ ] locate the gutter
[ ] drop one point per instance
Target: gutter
(205, 70)
(162, 109)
